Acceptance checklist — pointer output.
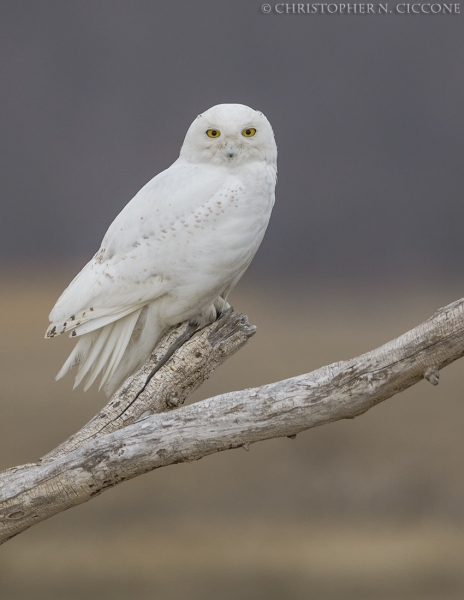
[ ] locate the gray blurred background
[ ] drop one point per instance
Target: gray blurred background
(364, 243)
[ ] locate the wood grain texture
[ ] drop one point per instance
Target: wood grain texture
(120, 445)
(172, 384)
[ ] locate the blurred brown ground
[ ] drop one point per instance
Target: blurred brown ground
(365, 509)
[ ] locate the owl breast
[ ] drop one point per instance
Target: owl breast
(219, 240)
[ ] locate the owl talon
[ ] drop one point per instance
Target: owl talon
(221, 306)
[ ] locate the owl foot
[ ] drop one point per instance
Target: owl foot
(221, 306)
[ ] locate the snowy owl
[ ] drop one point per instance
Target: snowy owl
(176, 250)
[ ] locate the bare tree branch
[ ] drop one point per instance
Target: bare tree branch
(172, 384)
(139, 440)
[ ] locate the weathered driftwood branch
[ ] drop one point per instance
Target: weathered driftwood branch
(171, 385)
(34, 492)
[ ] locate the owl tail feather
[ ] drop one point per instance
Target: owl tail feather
(101, 351)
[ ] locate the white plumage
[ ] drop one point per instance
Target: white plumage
(176, 250)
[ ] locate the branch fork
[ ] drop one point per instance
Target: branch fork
(137, 432)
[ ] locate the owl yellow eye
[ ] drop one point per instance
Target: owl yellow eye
(213, 133)
(249, 132)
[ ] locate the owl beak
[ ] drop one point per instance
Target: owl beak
(231, 146)
(231, 150)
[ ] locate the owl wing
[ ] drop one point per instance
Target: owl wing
(133, 265)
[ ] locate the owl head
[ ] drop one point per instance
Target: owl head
(230, 134)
